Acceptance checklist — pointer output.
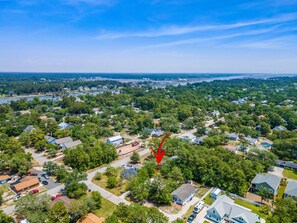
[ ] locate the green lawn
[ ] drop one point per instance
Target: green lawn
(208, 200)
(281, 191)
(106, 210)
(201, 191)
(254, 208)
(290, 174)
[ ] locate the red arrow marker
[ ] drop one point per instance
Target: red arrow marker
(160, 153)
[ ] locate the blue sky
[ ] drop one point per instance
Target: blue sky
(149, 36)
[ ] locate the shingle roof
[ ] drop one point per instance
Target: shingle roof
(4, 177)
(280, 127)
(26, 182)
(64, 140)
(91, 218)
(65, 200)
(115, 138)
(291, 189)
(184, 191)
(289, 164)
(225, 206)
(272, 180)
(72, 144)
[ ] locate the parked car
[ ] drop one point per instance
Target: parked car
(46, 176)
(129, 165)
(35, 191)
(54, 197)
(69, 168)
(192, 217)
(135, 144)
(17, 197)
(198, 207)
(124, 166)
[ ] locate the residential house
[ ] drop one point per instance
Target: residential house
(29, 129)
(64, 125)
(65, 200)
(215, 113)
(215, 193)
(287, 164)
(157, 133)
(269, 181)
(279, 128)
(291, 189)
(233, 136)
(252, 141)
(128, 173)
(187, 137)
(4, 179)
(225, 210)
(50, 139)
(115, 140)
(71, 144)
(25, 184)
(90, 218)
(199, 140)
(184, 193)
(63, 140)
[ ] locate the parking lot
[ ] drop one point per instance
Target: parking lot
(48, 183)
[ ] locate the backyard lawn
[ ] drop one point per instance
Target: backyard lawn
(290, 174)
(208, 200)
(254, 208)
(281, 191)
(106, 210)
(117, 190)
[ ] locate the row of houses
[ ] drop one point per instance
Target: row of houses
(63, 143)
(271, 183)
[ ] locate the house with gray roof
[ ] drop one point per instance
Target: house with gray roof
(291, 189)
(64, 125)
(225, 210)
(71, 144)
(29, 129)
(269, 181)
(50, 139)
(183, 194)
(63, 140)
(287, 164)
(279, 128)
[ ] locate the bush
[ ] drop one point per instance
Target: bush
(98, 176)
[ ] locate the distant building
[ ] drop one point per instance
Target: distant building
(215, 193)
(128, 173)
(71, 144)
(291, 189)
(233, 136)
(64, 125)
(269, 181)
(252, 141)
(115, 140)
(225, 210)
(183, 194)
(29, 129)
(4, 179)
(63, 140)
(279, 128)
(287, 164)
(50, 139)
(157, 133)
(25, 184)
(187, 137)
(90, 218)
(65, 200)
(215, 113)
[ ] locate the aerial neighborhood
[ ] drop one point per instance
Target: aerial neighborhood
(88, 154)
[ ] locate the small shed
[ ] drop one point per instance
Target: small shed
(215, 193)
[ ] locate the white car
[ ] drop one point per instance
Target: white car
(198, 207)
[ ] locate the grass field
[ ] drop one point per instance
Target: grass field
(290, 174)
(248, 205)
(208, 200)
(117, 190)
(106, 210)
(281, 191)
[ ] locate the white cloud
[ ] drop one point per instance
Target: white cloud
(182, 30)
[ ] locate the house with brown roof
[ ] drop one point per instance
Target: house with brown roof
(90, 218)
(65, 200)
(4, 179)
(26, 183)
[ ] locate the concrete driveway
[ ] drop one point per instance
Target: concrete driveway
(200, 218)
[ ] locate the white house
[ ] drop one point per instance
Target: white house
(225, 210)
(183, 194)
(115, 140)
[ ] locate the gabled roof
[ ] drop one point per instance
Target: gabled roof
(29, 128)
(291, 189)
(71, 144)
(49, 139)
(225, 206)
(65, 200)
(188, 136)
(4, 177)
(272, 180)
(26, 182)
(90, 218)
(289, 164)
(63, 125)
(64, 140)
(184, 191)
(280, 128)
(115, 138)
